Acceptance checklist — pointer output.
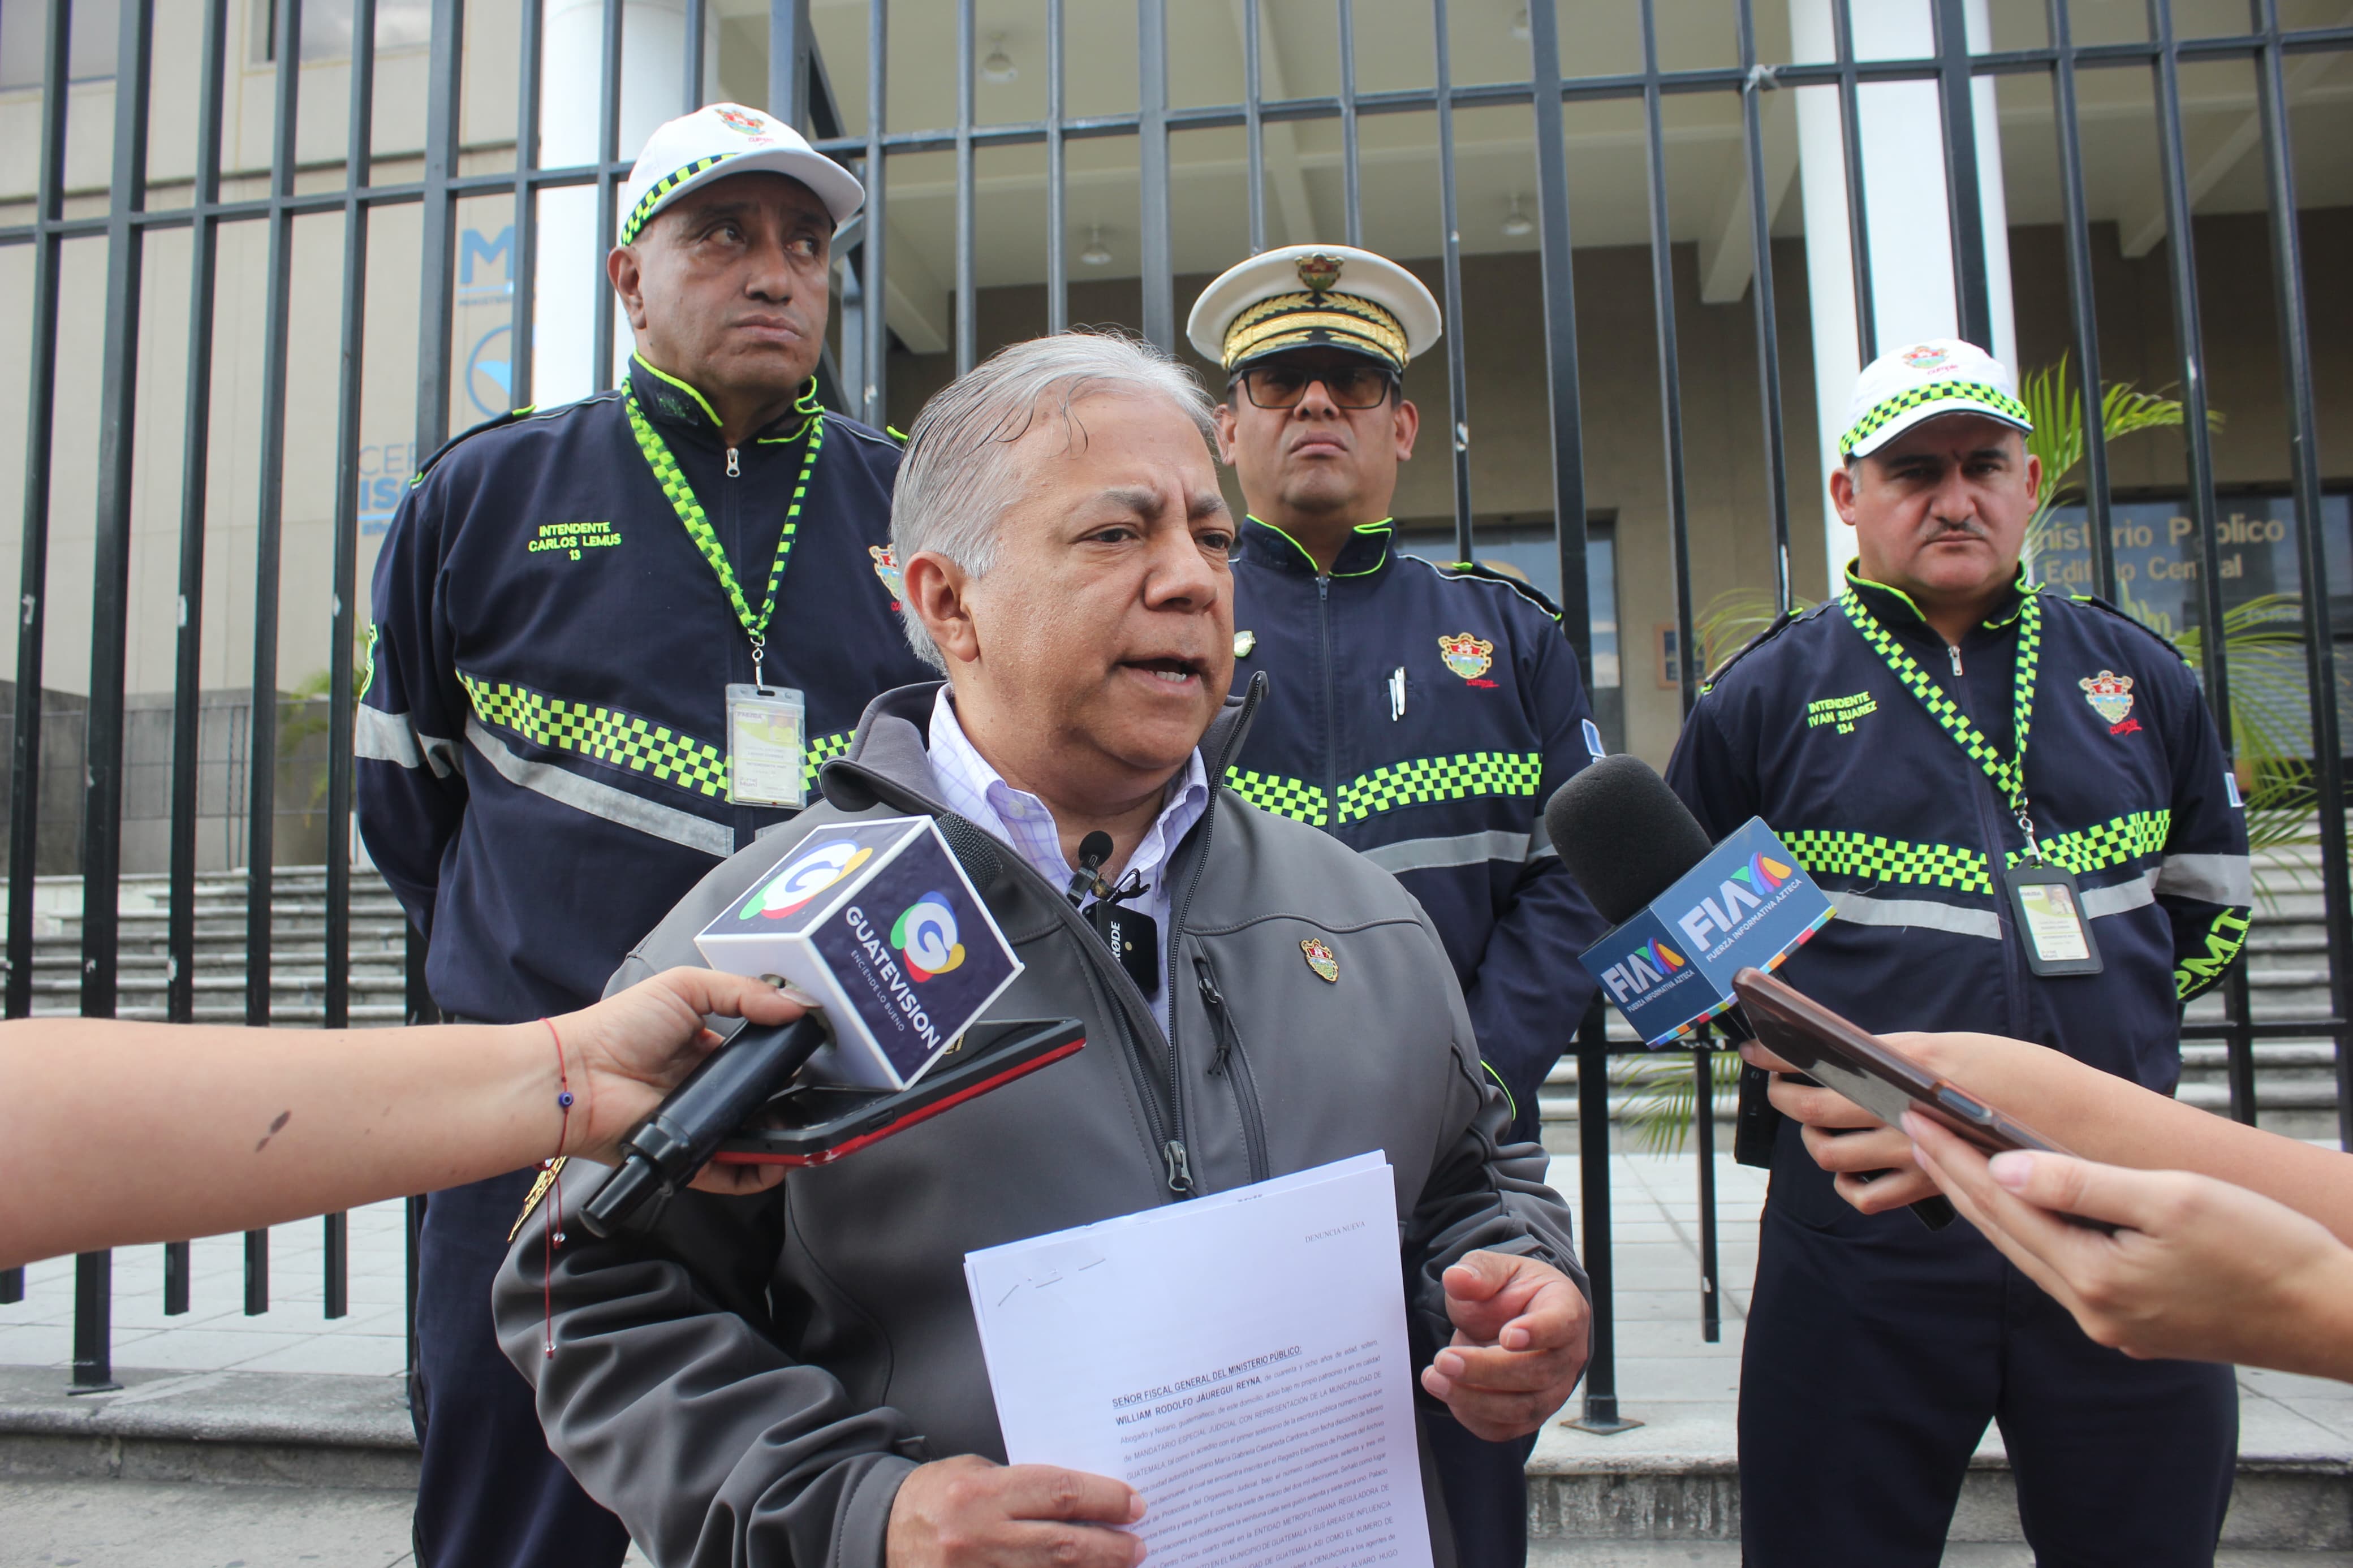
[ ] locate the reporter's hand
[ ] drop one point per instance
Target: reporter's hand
(2201, 1271)
(1522, 1329)
(1870, 1163)
(632, 1048)
(967, 1511)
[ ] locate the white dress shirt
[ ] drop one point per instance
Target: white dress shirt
(977, 792)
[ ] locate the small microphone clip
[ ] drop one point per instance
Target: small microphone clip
(1087, 882)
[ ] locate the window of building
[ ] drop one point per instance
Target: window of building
(327, 28)
(2159, 559)
(24, 29)
(1525, 549)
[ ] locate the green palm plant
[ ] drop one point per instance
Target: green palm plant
(1661, 1088)
(2262, 641)
(2056, 411)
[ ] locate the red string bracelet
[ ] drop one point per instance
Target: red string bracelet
(554, 1236)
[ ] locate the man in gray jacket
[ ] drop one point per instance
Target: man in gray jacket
(795, 1377)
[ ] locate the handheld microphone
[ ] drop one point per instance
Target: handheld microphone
(805, 920)
(666, 1149)
(1685, 916)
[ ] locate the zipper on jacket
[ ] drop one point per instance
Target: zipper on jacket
(1331, 705)
(1230, 1063)
(734, 470)
(1955, 649)
(1215, 1000)
(1180, 1173)
(1991, 810)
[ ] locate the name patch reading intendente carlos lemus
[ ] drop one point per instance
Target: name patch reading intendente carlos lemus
(572, 538)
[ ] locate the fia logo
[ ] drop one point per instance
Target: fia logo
(1651, 965)
(1745, 890)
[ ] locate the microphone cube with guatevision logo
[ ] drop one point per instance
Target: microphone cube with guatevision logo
(877, 920)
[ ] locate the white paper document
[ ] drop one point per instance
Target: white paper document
(1240, 1360)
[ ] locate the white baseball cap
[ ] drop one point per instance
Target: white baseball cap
(1941, 376)
(722, 139)
(1308, 295)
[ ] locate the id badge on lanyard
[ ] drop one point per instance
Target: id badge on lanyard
(766, 746)
(2048, 911)
(2046, 907)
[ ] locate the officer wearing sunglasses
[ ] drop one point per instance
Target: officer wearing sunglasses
(1420, 713)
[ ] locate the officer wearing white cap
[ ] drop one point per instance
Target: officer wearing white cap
(2073, 891)
(614, 640)
(1420, 713)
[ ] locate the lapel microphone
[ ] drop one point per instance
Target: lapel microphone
(1133, 936)
(1087, 882)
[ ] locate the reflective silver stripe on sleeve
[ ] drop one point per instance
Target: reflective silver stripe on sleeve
(1864, 909)
(1540, 841)
(1461, 849)
(602, 799)
(384, 737)
(2138, 893)
(2212, 879)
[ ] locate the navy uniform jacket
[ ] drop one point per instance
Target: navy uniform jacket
(1810, 730)
(543, 737)
(1449, 797)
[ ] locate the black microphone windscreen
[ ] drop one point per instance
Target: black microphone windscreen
(1094, 848)
(1623, 834)
(973, 849)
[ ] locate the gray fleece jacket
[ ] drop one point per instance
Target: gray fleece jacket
(747, 1381)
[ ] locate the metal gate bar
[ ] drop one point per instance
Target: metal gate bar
(795, 92)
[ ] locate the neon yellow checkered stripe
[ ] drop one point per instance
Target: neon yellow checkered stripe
(821, 749)
(661, 188)
(1419, 781)
(1911, 397)
(1869, 858)
(1427, 779)
(1947, 713)
(2119, 841)
(1294, 799)
(605, 735)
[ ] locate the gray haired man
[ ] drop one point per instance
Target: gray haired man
(795, 1377)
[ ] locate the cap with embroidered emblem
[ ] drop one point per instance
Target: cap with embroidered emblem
(1309, 296)
(1922, 381)
(719, 140)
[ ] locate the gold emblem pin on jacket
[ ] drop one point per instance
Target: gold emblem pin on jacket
(1321, 959)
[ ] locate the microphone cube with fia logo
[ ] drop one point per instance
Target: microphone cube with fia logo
(877, 920)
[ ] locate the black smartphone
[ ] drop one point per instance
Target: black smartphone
(1884, 1082)
(813, 1124)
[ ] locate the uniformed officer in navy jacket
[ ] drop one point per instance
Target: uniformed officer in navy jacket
(613, 640)
(2018, 803)
(1420, 713)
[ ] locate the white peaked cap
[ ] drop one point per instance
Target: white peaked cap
(722, 139)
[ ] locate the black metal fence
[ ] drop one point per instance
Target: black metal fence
(856, 375)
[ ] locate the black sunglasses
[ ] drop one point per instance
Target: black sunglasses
(1348, 387)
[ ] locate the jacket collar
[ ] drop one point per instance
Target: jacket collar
(1362, 555)
(677, 406)
(1895, 608)
(890, 759)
